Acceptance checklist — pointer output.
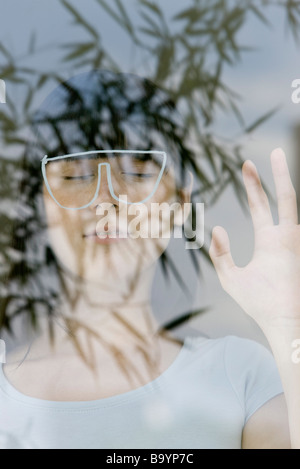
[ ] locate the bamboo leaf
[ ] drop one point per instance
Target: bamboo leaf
(153, 7)
(183, 319)
(150, 32)
(41, 81)
(259, 14)
(6, 52)
(32, 43)
(111, 12)
(193, 14)
(127, 22)
(28, 100)
(261, 120)
(79, 51)
(153, 25)
(165, 60)
(79, 19)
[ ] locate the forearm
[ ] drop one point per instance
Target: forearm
(281, 341)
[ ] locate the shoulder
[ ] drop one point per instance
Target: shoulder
(243, 366)
(244, 363)
(230, 346)
(245, 355)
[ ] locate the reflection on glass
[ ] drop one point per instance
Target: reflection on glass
(108, 139)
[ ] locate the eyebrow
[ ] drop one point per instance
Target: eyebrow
(136, 156)
(69, 159)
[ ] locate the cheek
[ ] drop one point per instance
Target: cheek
(166, 195)
(65, 229)
(154, 220)
(166, 191)
(59, 218)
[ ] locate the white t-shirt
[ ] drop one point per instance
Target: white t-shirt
(203, 400)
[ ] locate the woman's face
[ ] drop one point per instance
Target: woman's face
(110, 240)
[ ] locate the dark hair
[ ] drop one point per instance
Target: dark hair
(91, 111)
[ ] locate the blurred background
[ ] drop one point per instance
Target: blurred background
(229, 65)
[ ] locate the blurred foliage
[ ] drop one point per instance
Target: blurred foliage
(185, 55)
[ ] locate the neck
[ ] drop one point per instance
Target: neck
(120, 314)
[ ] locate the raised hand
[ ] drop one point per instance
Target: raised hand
(268, 288)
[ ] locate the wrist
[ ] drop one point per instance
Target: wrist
(283, 335)
(282, 327)
(284, 340)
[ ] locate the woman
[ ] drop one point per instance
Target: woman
(101, 374)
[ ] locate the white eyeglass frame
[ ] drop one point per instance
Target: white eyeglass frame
(47, 160)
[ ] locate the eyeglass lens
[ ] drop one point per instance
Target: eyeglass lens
(74, 181)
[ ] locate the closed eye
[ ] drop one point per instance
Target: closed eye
(139, 175)
(80, 178)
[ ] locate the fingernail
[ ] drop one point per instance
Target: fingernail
(249, 169)
(216, 232)
(278, 152)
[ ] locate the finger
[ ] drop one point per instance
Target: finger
(220, 254)
(258, 201)
(286, 194)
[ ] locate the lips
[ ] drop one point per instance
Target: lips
(103, 235)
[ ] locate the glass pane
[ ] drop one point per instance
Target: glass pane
(106, 245)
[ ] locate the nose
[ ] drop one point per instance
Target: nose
(104, 195)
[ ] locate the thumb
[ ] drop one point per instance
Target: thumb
(220, 254)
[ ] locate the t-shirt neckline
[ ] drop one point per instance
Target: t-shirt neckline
(158, 383)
